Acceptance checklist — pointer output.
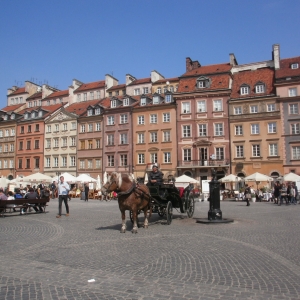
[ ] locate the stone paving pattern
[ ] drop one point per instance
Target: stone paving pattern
(256, 257)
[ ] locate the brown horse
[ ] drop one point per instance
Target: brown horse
(131, 197)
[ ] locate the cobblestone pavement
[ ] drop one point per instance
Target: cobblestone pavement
(256, 257)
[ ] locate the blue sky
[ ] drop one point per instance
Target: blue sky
(59, 40)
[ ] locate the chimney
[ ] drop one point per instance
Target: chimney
(276, 56)
(233, 61)
(191, 65)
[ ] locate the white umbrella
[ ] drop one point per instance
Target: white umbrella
(146, 179)
(258, 177)
(85, 178)
(69, 177)
(98, 185)
(230, 178)
(104, 177)
(291, 177)
(37, 177)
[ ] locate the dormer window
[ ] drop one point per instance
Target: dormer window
(203, 82)
(33, 114)
(244, 90)
(26, 116)
(125, 102)
(97, 111)
(143, 101)
(40, 113)
(259, 88)
(113, 103)
(295, 66)
(12, 116)
(155, 100)
(168, 98)
(5, 117)
(12, 101)
(158, 91)
(90, 112)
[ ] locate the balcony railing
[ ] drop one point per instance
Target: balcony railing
(203, 163)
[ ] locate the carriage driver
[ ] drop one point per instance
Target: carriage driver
(155, 176)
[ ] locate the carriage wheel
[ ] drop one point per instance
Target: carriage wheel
(169, 213)
(190, 208)
(161, 211)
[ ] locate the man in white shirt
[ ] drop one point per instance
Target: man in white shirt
(63, 191)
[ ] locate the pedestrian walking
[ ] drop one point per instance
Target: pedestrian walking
(86, 192)
(247, 194)
(63, 191)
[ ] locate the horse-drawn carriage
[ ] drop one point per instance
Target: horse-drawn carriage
(138, 198)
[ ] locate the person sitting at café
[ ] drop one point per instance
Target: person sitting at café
(33, 195)
(10, 196)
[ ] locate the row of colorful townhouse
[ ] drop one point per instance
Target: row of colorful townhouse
(233, 118)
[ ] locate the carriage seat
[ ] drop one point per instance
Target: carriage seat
(156, 190)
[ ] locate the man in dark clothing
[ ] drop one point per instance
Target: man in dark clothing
(155, 176)
(33, 195)
(247, 194)
(86, 192)
(53, 188)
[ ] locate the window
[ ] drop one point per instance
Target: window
(65, 126)
(202, 129)
(82, 128)
(64, 142)
(168, 98)
(256, 150)
(48, 162)
(5, 148)
(36, 144)
(37, 127)
(201, 106)
(98, 163)
(156, 100)
(295, 128)
(73, 125)
(20, 146)
(29, 128)
(124, 92)
(273, 150)
(186, 130)
(201, 84)
(239, 151)
(12, 132)
(98, 144)
(6, 132)
(110, 120)
(73, 141)
(111, 160)
(141, 120)
(153, 158)
(136, 91)
(113, 103)
(293, 109)
(145, 90)
(153, 118)
(56, 127)
(78, 98)
(126, 102)
(97, 111)
(171, 88)
(238, 110)
(253, 109)
(12, 147)
(239, 130)
(55, 162)
(219, 153)
(48, 128)
(218, 105)
(244, 90)
(1, 132)
(292, 92)
(294, 66)
(167, 136)
(90, 127)
(91, 95)
(187, 154)
(296, 152)
(72, 161)
(56, 142)
(271, 107)
(219, 129)
(90, 112)
(28, 147)
(82, 164)
(259, 88)
(141, 138)
(84, 96)
(48, 143)
(186, 107)
(98, 94)
(48, 102)
(123, 159)
(123, 138)
(117, 93)
(158, 91)
(165, 89)
(166, 117)
(5, 164)
(153, 137)
(143, 101)
(90, 163)
(254, 128)
(82, 145)
(98, 126)
(33, 113)
(167, 157)
(110, 139)
(141, 158)
(64, 161)
(123, 119)
(272, 127)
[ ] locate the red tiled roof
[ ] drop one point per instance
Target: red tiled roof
(81, 107)
(161, 81)
(116, 87)
(251, 78)
(58, 94)
(141, 81)
(12, 107)
(91, 86)
(210, 69)
(34, 96)
(18, 91)
(49, 109)
(285, 68)
(220, 81)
